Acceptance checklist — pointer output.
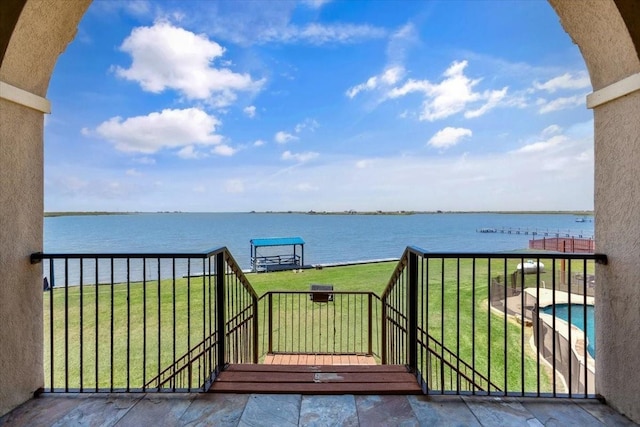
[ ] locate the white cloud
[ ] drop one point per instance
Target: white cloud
(399, 42)
(250, 111)
(306, 187)
(562, 103)
(308, 124)
(551, 130)
(234, 186)
(168, 57)
(283, 137)
(157, 131)
(189, 152)
(315, 4)
(543, 145)
(145, 160)
(565, 81)
(448, 137)
(585, 156)
(388, 77)
(299, 157)
(365, 163)
(133, 172)
(452, 95)
(268, 22)
(259, 143)
(224, 150)
(136, 8)
(394, 71)
(489, 180)
(552, 138)
(319, 34)
(493, 98)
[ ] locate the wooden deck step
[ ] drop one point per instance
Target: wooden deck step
(319, 379)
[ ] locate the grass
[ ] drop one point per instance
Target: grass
(367, 277)
(144, 341)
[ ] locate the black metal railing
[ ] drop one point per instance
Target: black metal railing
(472, 323)
(320, 323)
(144, 322)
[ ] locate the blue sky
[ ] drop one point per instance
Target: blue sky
(319, 105)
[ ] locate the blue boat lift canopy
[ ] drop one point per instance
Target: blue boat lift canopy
(266, 255)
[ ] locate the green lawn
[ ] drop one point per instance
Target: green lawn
(363, 277)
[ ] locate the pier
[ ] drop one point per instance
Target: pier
(533, 231)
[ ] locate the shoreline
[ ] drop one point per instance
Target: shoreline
(312, 212)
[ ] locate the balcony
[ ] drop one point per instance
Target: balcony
(143, 336)
(296, 409)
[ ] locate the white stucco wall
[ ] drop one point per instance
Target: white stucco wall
(20, 235)
(617, 188)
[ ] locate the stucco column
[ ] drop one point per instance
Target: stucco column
(32, 36)
(21, 206)
(617, 228)
(608, 42)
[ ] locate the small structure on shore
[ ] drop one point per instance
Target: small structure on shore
(276, 254)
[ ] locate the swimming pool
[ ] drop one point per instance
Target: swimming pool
(577, 319)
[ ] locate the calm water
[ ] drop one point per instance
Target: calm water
(329, 238)
(577, 319)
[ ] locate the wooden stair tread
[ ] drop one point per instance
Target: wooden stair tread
(322, 377)
(327, 379)
(316, 388)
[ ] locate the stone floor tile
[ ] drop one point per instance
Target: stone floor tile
(442, 411)
(166, 409)
(499, 411)
(271, 410)
(99, 410)
(42, 411)
(338, 410)
(385, 411)
(560, 413)
(605, 414)
(213, 409)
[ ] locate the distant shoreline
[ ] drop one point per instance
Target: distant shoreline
(351, 212)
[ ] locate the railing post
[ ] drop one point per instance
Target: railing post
(255, 329)
(370, 331)
(412, 308)
(383, 330)
(270, 323)
(220, 314)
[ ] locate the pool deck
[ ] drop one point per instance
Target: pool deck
(545, 297)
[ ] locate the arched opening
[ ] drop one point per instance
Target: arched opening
(606, 32)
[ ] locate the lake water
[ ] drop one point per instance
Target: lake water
(329, 238)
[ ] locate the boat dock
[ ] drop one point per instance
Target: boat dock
(533, 231)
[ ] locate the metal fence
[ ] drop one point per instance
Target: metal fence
(144, 322)
(320, 322)
(564, 244)
(443, 318)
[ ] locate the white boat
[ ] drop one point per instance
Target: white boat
(530, 267)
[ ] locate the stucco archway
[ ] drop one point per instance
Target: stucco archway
(33, 33)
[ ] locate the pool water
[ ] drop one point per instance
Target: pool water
(577, 319)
